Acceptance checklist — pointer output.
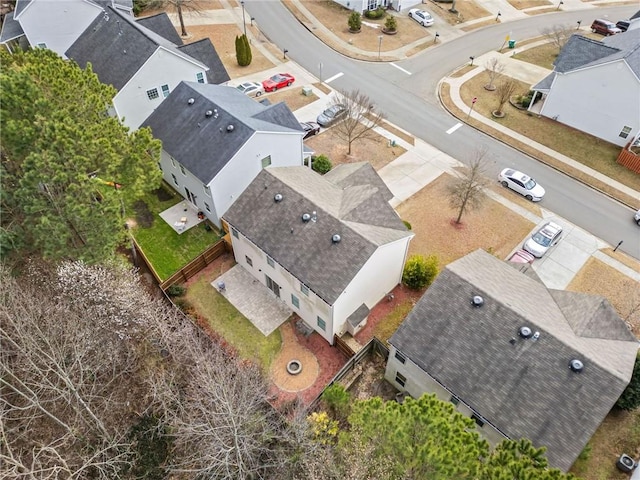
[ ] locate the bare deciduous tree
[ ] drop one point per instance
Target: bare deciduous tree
(59, 383)
(192, 6)
(505, 91)
(360, 119)
(493, 67)
(466, 191)
(558, 35)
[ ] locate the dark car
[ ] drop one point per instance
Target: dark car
(277, 81)
(331, 115)
(623, 25)
(604, 27)
(310, 129)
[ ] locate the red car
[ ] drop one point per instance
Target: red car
(279, 80)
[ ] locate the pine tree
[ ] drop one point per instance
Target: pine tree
(243, 50)
(57, 139)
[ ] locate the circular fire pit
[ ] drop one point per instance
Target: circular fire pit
(294, 367)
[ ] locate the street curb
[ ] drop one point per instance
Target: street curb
(439, 90)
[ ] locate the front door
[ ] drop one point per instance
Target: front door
(273, 286)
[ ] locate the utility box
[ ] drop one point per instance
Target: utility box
(512, 44)
(306, 91)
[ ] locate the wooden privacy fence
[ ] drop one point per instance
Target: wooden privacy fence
(343, 346)
(373, 347)
(196, 265)
(629, 159)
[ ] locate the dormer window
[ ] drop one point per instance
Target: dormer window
(200, 77)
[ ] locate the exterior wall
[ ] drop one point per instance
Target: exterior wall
(380, 275)
(285, 150)
(419, 382)
(57, 23)
(600, 101)
(310, 305)
(162, 68)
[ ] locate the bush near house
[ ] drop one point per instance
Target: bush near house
(375, 14)
(355, 22)
(390, 24)
(420, 271)
(243, 51)
(321, 164)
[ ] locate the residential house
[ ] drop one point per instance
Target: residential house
(53, 24)
(595, 87)
(215, 140)
(330, 247)
(364, 5)
(142, 65)
(524, 361)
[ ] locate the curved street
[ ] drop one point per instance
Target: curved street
(408, 97)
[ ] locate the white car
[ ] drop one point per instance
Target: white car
(423, 17)
(544, 238)
(636, 217)
(252, 89)
(521, 183)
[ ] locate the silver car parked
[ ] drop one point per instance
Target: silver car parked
(543, 239)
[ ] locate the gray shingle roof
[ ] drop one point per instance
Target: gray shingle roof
(161, 24)
(202, 144)
(306, 249)
(525, 389)
(117, 47)
(204, 51)
(580, 51)
(21, 5)
(10, 28)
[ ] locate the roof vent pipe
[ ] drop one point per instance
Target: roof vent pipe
(576, 365)
(190, 101)
(229, 128)
(277, 197)
(336, 238)
(477, 301)
(306, 217)
(525, 332)
(208, 113)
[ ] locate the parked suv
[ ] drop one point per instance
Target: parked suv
(604, 27)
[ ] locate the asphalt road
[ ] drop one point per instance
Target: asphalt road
(408, 97)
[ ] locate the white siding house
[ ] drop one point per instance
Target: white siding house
(142, 65)
(595, 87)
(330, 247)
(54, 24)
(216, 140)
(522, 360)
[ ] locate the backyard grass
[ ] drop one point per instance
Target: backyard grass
(226, 321)
(390, 323)
(164, 248)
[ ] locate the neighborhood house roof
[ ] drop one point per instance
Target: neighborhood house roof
(204, 144)
(582, 52)
(11, 28)
(204, 51)
(343, 226)
(161, 24)
(117, 47)
(524, 387)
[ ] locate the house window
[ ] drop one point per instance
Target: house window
(175, 180)
(42, 45)
(234, 232)
(160, 166)
(400, 379)
(304, 289)
(295, 301)
(249, 261)
(266, 161)
(455, 400)
(165, 91)
(200, 77)
(478, 419)
(184, 172)
(173, 163)
(625, 132)
(322, 324)
(207, 190)
(401, 358)
(153, 94)
(270, 262)
(207, 207)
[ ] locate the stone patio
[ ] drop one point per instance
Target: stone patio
(181, 217)
(253, 299)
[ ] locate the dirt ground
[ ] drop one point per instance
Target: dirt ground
(375, 150)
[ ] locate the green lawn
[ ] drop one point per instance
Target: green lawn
(166, 250)
(225, 320)
(389, 324)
